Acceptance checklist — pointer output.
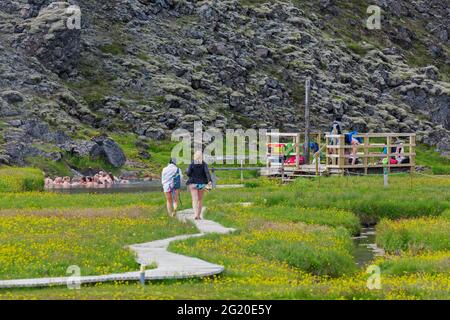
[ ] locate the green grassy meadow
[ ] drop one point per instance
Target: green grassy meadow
(293, 241)
(44, 243)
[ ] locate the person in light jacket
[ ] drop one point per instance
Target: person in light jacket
(171, 181)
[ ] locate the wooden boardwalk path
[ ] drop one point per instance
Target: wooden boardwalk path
(169, 265)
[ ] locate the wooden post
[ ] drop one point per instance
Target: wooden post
(366, 153)
(242, 170)
(307, 129)
(142, 275)
(412, 149)
(297, 151)
(317, 164)
(385, 176)
(388, 146)
(412, 158)
(341, 152)
(319, 139)
(269, 141)
(213, 177)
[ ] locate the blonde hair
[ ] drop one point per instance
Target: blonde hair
(198, 157)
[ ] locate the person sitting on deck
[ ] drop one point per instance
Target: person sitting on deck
(400, 153)
(355, 142)
(335, 130)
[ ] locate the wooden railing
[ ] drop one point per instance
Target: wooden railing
(317, 159)
(337, 154)
(370, 152)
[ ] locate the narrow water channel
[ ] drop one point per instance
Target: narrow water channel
(365, 247)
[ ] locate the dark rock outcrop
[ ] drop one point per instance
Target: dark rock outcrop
(109, 149)
(52, 39)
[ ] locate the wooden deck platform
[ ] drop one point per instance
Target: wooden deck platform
(334, 156)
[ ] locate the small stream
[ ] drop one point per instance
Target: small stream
(365, 247)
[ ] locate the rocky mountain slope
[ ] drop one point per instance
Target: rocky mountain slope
(146, 67)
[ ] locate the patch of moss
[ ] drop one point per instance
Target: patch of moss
(114, 48)
(419, 56)
(357, 48)
(50, 167)
(83, 163)
(143, 56)
(274, 71)
(86, 133)
(159, 99)
(46, 147)
(97, 83)
(246, 122)
(298, 93)
(250, 3)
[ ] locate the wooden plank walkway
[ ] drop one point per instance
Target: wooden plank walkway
(169, 265)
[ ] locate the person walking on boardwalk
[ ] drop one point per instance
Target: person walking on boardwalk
(171, 180)
(199, 180)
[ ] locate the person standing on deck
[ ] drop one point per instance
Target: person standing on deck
(355, 143)
(199, 180)
(335, 130)
(171, 180)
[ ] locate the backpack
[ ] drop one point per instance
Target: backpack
(177, 180)
(314, 146)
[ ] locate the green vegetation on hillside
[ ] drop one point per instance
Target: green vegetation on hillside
(427, 156)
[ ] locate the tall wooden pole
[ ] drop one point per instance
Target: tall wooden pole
(307, 129)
